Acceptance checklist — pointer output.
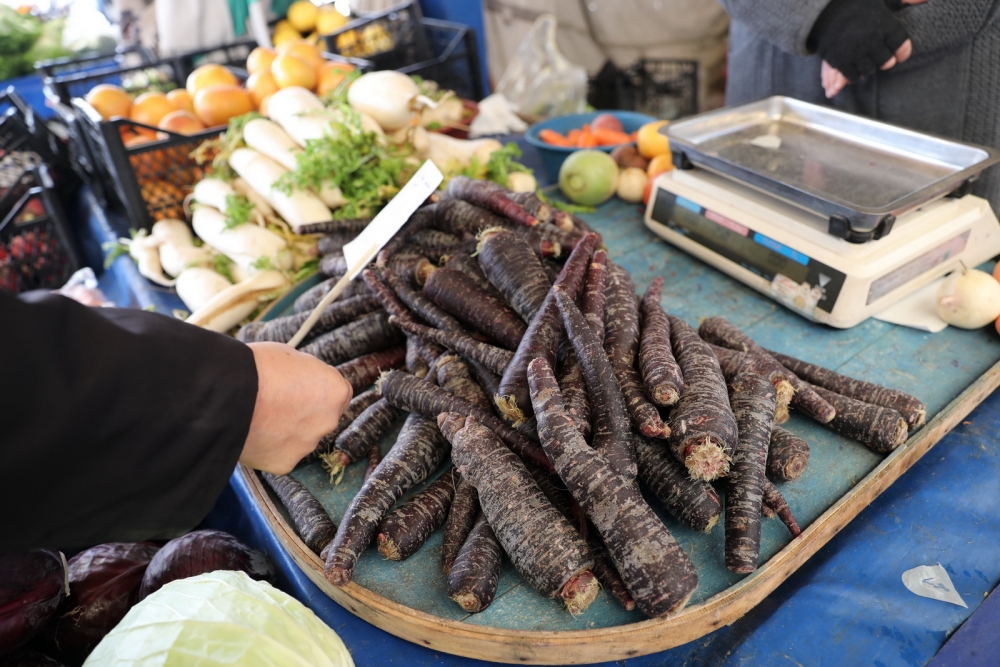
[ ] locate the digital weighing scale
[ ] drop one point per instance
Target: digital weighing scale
(782, 195)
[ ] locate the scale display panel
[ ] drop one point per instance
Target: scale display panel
(798, 280)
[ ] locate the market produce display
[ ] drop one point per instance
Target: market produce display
(65, 610)
(467, 373)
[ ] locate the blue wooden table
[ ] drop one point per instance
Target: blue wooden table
(847, 604)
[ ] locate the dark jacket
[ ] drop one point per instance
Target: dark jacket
(115, 424)
(949, 87)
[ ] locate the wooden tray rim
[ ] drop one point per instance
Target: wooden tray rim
(634, 639)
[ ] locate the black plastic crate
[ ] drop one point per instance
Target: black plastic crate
(93, 142)
(153, 178)
(401, 39)
(132, 55)
(36, 247)
(661, 88)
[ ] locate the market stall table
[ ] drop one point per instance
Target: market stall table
(864, 585)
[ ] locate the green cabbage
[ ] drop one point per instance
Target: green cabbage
(221, 618)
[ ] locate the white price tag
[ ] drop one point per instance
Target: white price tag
(393, 216)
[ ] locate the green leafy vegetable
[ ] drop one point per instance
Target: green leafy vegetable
(224, 267)
(224, 146)
(221, 618)
(115, 249)
(351, 159)
(308, 270)
(500, 165)
(238, 209)
(564, 206)
(263, 264)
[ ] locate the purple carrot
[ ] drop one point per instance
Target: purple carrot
(458, 295)
(660, 372)
(495, 358)
(404, 530)
(489, 196)
(364, 370)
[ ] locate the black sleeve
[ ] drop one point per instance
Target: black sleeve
(115, 424)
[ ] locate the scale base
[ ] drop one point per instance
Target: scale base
(786, 253)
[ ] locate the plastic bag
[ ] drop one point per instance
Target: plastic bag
(221, 618)
(82, 287)
(539, 82)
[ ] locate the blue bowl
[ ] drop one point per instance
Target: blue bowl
(553, 156)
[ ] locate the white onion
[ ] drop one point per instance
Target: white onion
(969, 299)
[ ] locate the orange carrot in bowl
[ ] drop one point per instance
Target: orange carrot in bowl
(606, 137)
(587, 138)
(552, 137)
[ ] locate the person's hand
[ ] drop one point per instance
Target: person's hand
(833, 80)
(299, 400)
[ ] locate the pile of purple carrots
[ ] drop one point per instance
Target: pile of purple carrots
(538, 379)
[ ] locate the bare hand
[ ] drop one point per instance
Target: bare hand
(299, 400)
(833, 81)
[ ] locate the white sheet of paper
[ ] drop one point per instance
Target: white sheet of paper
(393, 216)
(932, 581)
(917, 311)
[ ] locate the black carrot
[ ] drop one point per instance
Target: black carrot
(513, 268)
(692, 502)
(657, 572)
(913, 411)
(544, 547)
(787, 456)
(543, 336)
(752, 399)
(621, 342)
(660, 373)
(721, 332)
(404, 530)
(366, 334)
(311, 521)
(364, 370)
(611, 426)
(281, 329)
(415, 395)
(461, 518)
(493, 357)
(473, 579)
(418, 451)
(703, 428)
(458, 295)
(880, 429)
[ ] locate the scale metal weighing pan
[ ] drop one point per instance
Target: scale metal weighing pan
(859, 173)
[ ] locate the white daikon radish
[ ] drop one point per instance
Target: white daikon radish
(261, 173)
(416, 137)
(212, 192)
(331, 195)
(448, 113)
(235, 303)
(969, 299)
(521, 181)
(197, 286)
(245, 244)
(391, 98)
(448, 152)
(144, 249)
(268, 138)
(177, 249)
(260, 204)
(303, 116)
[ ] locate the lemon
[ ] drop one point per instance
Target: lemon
(284, 32)
(651, 142)
(302, 15)
(329, 20)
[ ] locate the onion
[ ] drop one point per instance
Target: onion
(969, 299)
(631, 184)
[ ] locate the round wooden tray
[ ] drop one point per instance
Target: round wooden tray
(632, 639)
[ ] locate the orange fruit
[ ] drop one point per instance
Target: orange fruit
(109, 101)
(651, 142)
(261, 85)
(289, 70)
(150, 108)
(260, 59)
(303, 50)
(181, 122)
(215, 105)
(181, 100)
(659, 164)
(330, 74)
(209, 75)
